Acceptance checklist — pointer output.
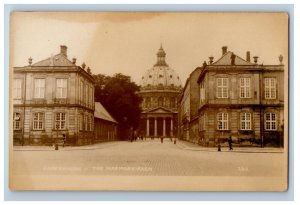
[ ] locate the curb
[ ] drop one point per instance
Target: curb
(67, 148)
(182, 146)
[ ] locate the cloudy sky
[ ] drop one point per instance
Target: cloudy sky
(128, 42)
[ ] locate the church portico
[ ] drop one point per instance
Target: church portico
(157, 126)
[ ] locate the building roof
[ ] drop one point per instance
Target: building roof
(226, 60)
(102, 113)
(56, 60)
(160, 74)
(60, 59)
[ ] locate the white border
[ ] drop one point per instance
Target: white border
(296, 65)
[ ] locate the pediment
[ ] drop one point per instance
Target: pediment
(160, 110)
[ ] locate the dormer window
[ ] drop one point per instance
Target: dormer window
(150, 76)
(171, 76)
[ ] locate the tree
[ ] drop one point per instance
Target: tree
(118, 94)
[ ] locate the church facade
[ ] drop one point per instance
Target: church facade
(160, 88)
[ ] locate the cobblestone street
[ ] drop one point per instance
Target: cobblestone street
(147, 158)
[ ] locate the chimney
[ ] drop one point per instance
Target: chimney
(224, 50)
(74, 61)
(255, 59)
(63, 50)
(211, 59)
(248, 56)
(233, 59)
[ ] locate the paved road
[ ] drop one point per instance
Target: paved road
(145, 158)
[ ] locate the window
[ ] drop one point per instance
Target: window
(270, 121)
(17, 121)
(80, 122)
(17, 89)
(202, 122)
(245, 87)
(222, 121)
(245, 121)
(88, 123)
(148, 102)
(81, 92)
(86, 97)
(61, 88)
(91, 123)
(202, 92)
(85, 123)
(39, 88)
(60, 121)
(270, 88)
(222, 87)
(38, 121)
(91, 96)
(172, 102)
(84, 93)
(160, 101)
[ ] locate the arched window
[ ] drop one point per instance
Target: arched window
(160, 101)
(148, 102)
(173, 102)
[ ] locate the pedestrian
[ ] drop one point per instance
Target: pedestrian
(135, 135)
(64, 139)
(131, 134)
(161, 139)
(230, 143)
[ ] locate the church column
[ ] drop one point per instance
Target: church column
(171, 127)
(164, 127)
(155, 127)
(148, 127)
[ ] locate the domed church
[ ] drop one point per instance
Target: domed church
(160, 87)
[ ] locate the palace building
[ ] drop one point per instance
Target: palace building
(238, 98)
(188, 109)
(160, 87)
(53, 99)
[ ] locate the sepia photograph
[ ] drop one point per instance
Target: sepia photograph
(148, 101)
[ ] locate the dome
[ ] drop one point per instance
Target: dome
(161, 74)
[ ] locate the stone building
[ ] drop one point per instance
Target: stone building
(160, 87)
(188, 128)
(104, 124)
(242, 99)
(53, 99)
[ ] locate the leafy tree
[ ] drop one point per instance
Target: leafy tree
(118, 94)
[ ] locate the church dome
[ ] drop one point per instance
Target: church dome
(160, 75)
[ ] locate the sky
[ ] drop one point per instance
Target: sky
(127, 42)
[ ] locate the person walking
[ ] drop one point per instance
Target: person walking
(131, 134)
(64, 139)
(161, 139)
(230, 143)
